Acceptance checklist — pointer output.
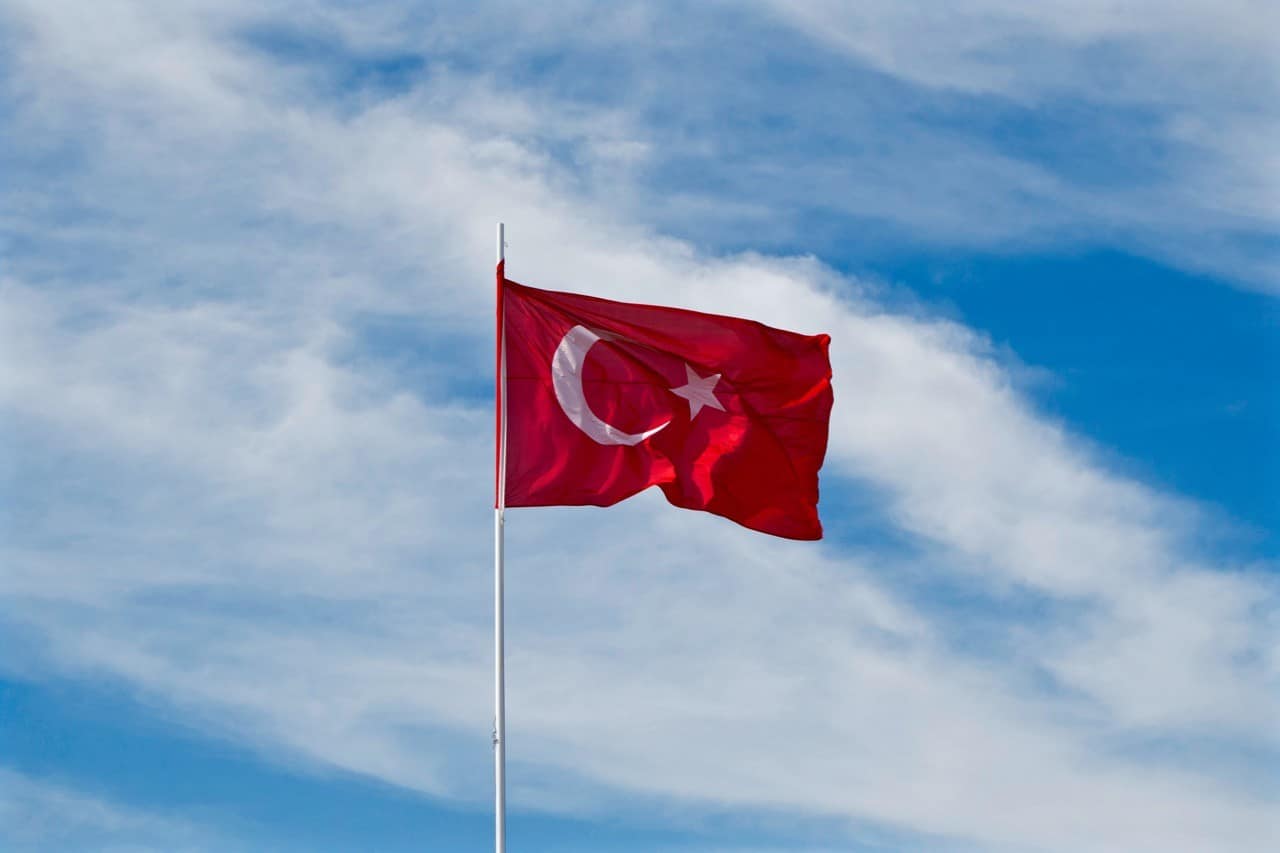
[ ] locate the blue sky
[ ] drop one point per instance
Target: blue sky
(244, 426)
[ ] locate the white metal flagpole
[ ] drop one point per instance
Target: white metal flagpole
(499, 685)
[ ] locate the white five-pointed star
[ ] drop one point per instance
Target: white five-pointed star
(699, 391)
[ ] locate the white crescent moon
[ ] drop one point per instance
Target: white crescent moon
(566, 377)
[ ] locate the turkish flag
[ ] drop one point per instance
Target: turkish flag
(604, 399)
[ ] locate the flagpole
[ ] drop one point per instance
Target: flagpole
(500, 489)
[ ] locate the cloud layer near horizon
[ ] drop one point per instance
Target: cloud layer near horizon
(245, 336)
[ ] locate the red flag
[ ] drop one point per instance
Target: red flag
(604, 399)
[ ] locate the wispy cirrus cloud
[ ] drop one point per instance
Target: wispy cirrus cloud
(996, 127)
(1179, 100)
(38, 815)
(246, 336)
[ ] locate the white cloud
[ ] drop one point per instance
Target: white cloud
(981, 47)
(280, 525)
(1136, 93)
(1204, 75)
(37, 815)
